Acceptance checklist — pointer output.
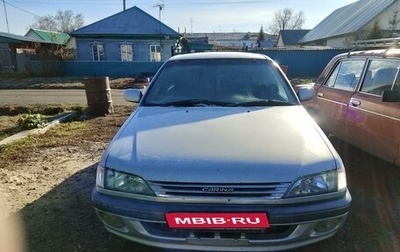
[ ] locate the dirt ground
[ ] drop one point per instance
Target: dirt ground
(48, 186)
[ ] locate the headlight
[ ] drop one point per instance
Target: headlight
(330, 181)
(119, 181)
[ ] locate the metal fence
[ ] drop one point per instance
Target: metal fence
(6, 64)
(300, 63)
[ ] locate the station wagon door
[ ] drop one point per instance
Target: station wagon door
(374, 125)
(334, 94)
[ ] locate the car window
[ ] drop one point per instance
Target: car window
(229, 81)
(381, 75)
(396, 85)
(346, 75)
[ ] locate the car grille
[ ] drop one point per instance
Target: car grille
(234, 190)
(273, 233)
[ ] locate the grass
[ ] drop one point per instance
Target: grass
(65, 131)
(8, 126)
(9, 115)
(60, 135)
(39, 109)
(68, 134)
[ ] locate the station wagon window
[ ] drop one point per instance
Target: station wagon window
(155, 53)
(97, 52)
(346, 75)
(126, 52)
(381, 75)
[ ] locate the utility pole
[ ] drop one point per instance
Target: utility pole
(160, 8)
(5, 12)
(124, 4)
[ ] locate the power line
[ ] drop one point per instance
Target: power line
(12, 5)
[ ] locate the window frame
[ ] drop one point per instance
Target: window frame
(345, 76)
(155, 56)
(97, 55)
(395, 82)
(126, 52)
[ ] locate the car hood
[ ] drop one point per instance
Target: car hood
(220, 144)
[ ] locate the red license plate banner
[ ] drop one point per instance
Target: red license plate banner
(217, 220)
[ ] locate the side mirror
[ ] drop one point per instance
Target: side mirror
(391, 96)
(132, 95)
(305, 93)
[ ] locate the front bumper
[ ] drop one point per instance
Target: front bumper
(292, 225)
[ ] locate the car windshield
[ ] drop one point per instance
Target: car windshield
(219, 82)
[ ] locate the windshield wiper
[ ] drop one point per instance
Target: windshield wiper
(194, 103)
(262, 103)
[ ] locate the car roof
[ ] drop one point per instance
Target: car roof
(388, 52)
(220, 55)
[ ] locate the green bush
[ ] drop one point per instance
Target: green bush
(32, 121)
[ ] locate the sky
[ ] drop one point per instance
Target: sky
(192, 16)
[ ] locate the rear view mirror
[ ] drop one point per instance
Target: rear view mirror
(391, 96)
(132, 95)
(305, 93)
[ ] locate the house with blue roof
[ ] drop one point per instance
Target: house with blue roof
(352, 22)
(290, 37)
(128, 36)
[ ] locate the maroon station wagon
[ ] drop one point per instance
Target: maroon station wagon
(358, 100)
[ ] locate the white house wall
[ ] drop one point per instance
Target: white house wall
(71, 43)
(33, 35)
(385, 16)
(338, 42)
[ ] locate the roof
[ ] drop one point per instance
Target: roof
(292, 37)
(348, 19)
(219, 55)
(13, 38)
(50, 36)
(132, 22)
(235, 36)
(203, 40)
(382, 53)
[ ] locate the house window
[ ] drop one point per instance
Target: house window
(155, 53)
(126, 52)
(98, 52)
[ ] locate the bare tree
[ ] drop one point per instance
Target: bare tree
(45, 23)
(286, 19)
(63, 21)
(68, 22)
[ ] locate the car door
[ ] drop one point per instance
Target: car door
(334, 94)
(371, 124)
